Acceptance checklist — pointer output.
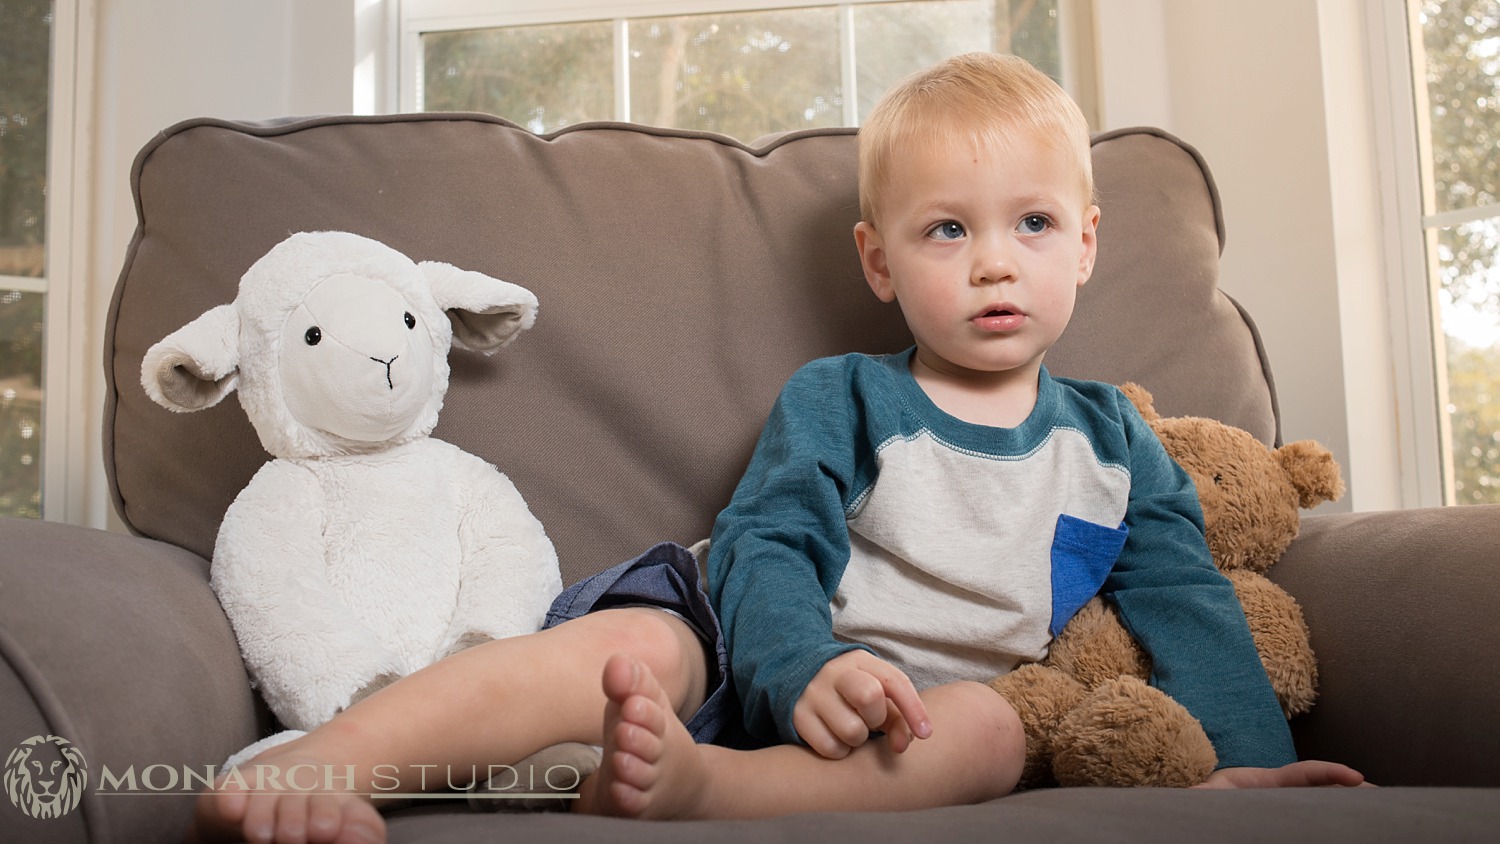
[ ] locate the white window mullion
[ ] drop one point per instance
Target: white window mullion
(25, 284)
(1411, 298)
(73, 487)
(622, 70)
(849, 68)
(1460, 216)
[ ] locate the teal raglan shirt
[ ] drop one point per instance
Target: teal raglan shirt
(869, 518)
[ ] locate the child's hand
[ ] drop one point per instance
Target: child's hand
(1296, 775)
(852, 695)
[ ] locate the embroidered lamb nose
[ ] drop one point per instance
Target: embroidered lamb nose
(387, 363)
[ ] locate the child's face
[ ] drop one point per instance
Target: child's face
(984, 250)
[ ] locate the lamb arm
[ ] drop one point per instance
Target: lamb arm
(509, 573)
(309, 654)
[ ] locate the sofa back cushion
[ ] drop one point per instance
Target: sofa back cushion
(682, 277)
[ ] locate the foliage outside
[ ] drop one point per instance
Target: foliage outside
(25, 35)
(745, 74)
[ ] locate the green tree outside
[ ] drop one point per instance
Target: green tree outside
(25, 44)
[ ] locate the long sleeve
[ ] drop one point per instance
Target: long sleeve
(1185, 615)
(781, 546)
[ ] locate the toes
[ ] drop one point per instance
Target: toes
(645, 713)
(629, 800)
(621, 673)
(324, 818)
(260, 818)
(219, 815)
(361, 824)
(291, 820)
(636, 754)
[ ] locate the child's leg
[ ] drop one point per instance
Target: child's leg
(492, 704)
(652, 768)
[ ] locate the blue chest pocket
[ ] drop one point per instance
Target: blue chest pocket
(1082, 555)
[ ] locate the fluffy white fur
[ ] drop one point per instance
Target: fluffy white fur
(366, 549)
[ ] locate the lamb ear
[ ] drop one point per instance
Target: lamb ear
(1313, 472)
(1142, 400)
(486, 313)
(197, 365)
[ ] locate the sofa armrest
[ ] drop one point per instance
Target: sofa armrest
(1402, 606)
(117, 645)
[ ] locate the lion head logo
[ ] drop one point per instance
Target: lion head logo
(45, 776)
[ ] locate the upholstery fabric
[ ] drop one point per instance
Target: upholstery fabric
(682, 277)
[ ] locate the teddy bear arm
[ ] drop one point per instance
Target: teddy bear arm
(1281, 638)
(1094, 647)
(510, 573)
(307, 651)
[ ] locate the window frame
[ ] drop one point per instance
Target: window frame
(413, 18)
(1402, 116)
(1411, 295)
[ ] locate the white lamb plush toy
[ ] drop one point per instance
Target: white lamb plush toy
(366, 549)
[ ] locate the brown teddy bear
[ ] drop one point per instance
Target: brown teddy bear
(1089, 715)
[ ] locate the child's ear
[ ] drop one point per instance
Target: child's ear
(1090, 244)
(872, 258)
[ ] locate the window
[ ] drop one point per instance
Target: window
(1456, 64)
(25, 50)
(744, 72)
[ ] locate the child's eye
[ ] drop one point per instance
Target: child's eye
(1034, 224)
(946, 230)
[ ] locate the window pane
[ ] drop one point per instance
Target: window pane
(1461, 40)
(20, 404)
(1469, 296)
(25, 43)
(744, 75)
(895, 40)
(542, 77)
(25, 52)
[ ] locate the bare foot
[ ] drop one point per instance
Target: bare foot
(651, 768)
(257, 805)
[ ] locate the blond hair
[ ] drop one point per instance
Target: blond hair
(985, 97)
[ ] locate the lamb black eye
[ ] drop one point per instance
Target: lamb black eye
(313, 336)
(411, 321)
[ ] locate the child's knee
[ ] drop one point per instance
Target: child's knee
(991, 729)
(665, 644)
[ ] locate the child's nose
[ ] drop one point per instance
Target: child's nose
(994, 262)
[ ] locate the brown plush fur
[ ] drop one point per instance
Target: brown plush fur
(1167, 747)
(1089, 717)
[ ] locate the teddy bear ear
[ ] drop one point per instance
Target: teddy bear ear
(1312, 471)
(486, 313)
(1142, 400)
(197, 365)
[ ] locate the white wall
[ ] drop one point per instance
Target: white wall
(158, 62)
(1275, 95)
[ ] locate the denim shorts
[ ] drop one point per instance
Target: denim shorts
(664, 577)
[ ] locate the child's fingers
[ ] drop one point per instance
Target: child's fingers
(897, 731)
(816, 733)
(1306, 774)
(864, 693)
(826, 724)
(900, 691)
(1312, 773)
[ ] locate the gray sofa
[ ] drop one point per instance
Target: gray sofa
(682, 278)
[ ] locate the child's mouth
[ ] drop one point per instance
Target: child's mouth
(1000, 318)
